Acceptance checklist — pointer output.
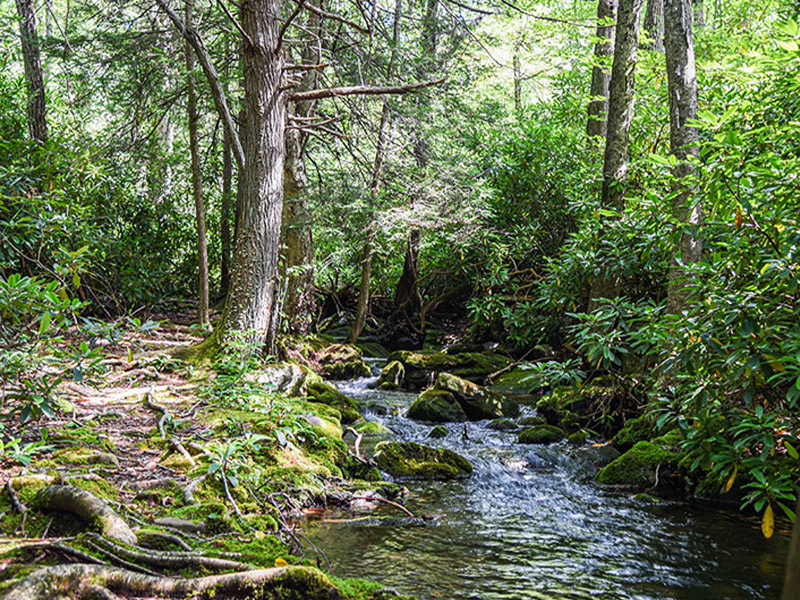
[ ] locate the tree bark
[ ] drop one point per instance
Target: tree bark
(197, 178)
(620, 115)
(791, 584)
(684, 141)
(407, 297)
(601, 76)
(34, 78)
(654, 23)
(225, 216)
(620, 103)
(362, 306)
(250, 310)
(298, 243)
(699, 14)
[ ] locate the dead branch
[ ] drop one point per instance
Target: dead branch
(385, 501)
(335, 17)
(294, 67)
(362, 90)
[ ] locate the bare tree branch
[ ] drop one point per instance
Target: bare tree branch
(335, 17)
(217, 91)
(550, 19)
(235, 22)
(362, 90)
(288, 22)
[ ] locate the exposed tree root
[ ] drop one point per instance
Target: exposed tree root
(89, 582)
(88, 507)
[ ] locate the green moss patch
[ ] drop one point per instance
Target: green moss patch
(637, 467)
(439, 406)
(409, 459)
(541, 434)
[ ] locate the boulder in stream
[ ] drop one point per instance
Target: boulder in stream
(478, 403)
(639, 465)
(341, 361)
(541, 434)
(423, 366)
(392, 376)
(412, 460)
(325, 393)
(439, 406)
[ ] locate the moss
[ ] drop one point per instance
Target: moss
(325, 393)
(638, 465)
(102, 488)
(672, 439)
(437, 406)
(578, 438)
(392, 376)
(408, 459)
(85, 436)
(511, 382)
(362, 589)
(372, 428)
(502, 425)
(438, 432)
(258, 548)
(474, 366)
(635, 430)
(81, 457)
(341, 361)
(532, 421)
(298, 583)
(178, 462)
(200, 355)
(373, 350)
(541, 434)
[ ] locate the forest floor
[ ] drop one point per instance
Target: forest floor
(197, 479)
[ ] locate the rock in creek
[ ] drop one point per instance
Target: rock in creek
(412, 460)
(453, 399)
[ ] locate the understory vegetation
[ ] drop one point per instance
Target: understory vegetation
(454, 224)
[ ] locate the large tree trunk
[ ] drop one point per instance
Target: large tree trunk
(620, 103)
(34, 79)
(407, 297)
(654, 23)
(684, 140)
(298, 242)
(362, 307)
(601, 76)
(197, 178)
(620, 115)
(251, 306)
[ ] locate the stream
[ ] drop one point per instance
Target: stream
(530, 524)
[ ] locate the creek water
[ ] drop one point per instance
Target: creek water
(530, 524)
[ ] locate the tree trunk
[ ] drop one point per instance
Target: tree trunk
(517, 81)
(620, 103)
(654, 23)
(684, 141)
(791, 584)
(197, 178)
(298, 243)
(407, 297)
(225, 216)
(601, 76)
(620, 115)
(362, 307)
(699, 14)
(250, 309)
(34, 78)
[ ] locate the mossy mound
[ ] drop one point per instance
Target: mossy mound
(373, 350)
(541, 434)
(438, 432)
(439, 406)
(372, 428)
(635, 430)
(422, 367)
(478, 403)
(392, 376)
(502, 425)
(600, 405)
(637, 467)
(341, 361)
(325, 393)
(577, 438)
(532, 421)
(512, 383)
(412, 460)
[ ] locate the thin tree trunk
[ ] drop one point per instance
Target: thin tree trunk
(601, 75)
(407, 297)
(620, 115)
(250, 309)
(225, 216)
(699, 13)
(362, 306)
(34, 78)
(654, 23)
(517, 81)
(620, 103)
(684, 141)
(197, 178)
(791, 584)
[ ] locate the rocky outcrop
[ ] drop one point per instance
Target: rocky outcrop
(412, 460)
(647, 464)
(340, 361)
(422, 367)
(478, 403)
(439, 406)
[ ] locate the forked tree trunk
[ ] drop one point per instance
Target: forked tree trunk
(654, 23)
(251, 306)
(34, 78)
(197, 178)
(601, 74)
(684, 141)
(620, 115)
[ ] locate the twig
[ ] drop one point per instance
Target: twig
(363, 90)
(384, 500)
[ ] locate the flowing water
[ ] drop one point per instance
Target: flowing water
(530, 524)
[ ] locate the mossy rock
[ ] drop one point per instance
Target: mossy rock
(532, 421)
(637, 467)
(541, 434)
(325, 393)
(347, 370)
(372, 428)
(598, 405)
(438, 432)
(477, 402)
(438, 406)
(421, 367)
(81, 456)
(341, 361)
(392, 376)
(577, 438)
(635, 430)
(502, 425)
(512, 383)
(373, 350)
(412, 460)
(288, 378)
